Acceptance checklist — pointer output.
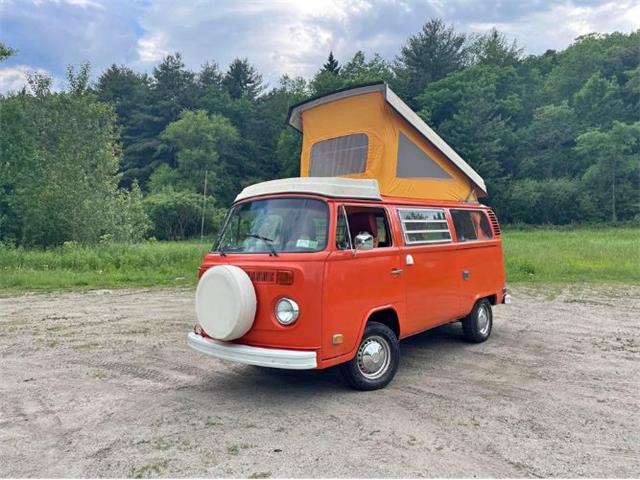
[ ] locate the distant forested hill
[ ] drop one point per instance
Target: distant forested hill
(556, 136)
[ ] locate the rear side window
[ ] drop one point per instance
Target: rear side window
(422, 225)
(414, 163)
(339, 156)
(471, 225)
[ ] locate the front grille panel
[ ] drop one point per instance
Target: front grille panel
(262, 276)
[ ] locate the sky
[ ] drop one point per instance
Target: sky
(277, 36)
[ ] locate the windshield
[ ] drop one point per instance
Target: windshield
(276, 225)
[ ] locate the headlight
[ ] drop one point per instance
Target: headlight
(287, 311)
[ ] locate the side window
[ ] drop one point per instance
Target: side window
(421, 225)
(471, 225)
(414, 163)
(339, 156)
(343, 241)
(362, 219)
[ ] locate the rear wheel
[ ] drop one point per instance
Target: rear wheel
(376, 360)
(478, 324)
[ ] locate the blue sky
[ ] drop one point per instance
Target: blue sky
(278, 36)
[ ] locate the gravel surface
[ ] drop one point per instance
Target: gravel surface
(103, 384)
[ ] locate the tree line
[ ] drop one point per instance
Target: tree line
(555, 136)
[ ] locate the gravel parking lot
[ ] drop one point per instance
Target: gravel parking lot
(103, 384)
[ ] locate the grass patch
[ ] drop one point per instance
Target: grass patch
(148, 470)
(147, 264)
(235, 449)
(541, 255)
(592, 255)
(260, 475)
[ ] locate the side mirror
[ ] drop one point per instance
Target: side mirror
(363, 241)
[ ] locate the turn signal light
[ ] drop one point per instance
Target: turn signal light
(284, 277)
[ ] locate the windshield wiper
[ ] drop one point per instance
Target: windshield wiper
(266, 240)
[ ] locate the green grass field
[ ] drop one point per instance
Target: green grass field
(147, 264)
(593, 255)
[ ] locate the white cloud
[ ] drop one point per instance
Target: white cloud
(151, 48)
(557, 27)
(294, 37)
(54, 34)
(84, 4)
(279, 36)
(12, 79)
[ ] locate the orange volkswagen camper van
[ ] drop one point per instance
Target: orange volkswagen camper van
(382, 237)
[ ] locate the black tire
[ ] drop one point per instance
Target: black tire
(376, 336)
(478, 324)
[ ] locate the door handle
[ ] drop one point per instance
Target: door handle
(396, 271)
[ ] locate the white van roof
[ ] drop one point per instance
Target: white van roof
(326, 186)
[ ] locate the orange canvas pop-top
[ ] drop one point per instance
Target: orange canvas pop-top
(382, 237)
(368, 132)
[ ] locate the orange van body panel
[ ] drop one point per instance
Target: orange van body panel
(307, 268)
(338, 291)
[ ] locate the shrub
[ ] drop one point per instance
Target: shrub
(130, 220)
(178, 215)
(59, 169)
(553, 201)
(217, 220)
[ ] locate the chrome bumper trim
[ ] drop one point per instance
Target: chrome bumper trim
(263, 357)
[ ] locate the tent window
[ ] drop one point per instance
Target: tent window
(414, 163)
(471, 225)
(339, 156)
(424, 226)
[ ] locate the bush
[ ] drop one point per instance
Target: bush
(131, 222)
(217, 220)
(553, 201)
(178, 215)
(59, 169)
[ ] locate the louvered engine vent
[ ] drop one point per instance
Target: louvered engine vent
(494, 223)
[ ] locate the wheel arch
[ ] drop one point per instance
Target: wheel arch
(387, 316)
(491, 297)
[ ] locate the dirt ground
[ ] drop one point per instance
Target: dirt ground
(103, 384)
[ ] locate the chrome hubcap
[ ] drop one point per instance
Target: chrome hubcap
(483, 320)
(373, 356)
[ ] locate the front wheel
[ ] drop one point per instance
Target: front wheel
(477, 325)
(376, 360)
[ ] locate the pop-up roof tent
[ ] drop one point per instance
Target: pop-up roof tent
(368, 132)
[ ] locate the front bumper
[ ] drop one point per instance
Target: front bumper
(263, 357)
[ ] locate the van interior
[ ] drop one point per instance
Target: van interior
(363, 220)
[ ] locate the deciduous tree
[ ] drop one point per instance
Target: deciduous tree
(197, 138)
(60, 159)
(614, 176)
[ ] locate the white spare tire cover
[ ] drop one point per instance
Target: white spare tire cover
(225, 302)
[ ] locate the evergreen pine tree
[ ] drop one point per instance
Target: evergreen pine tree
(332, 65)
